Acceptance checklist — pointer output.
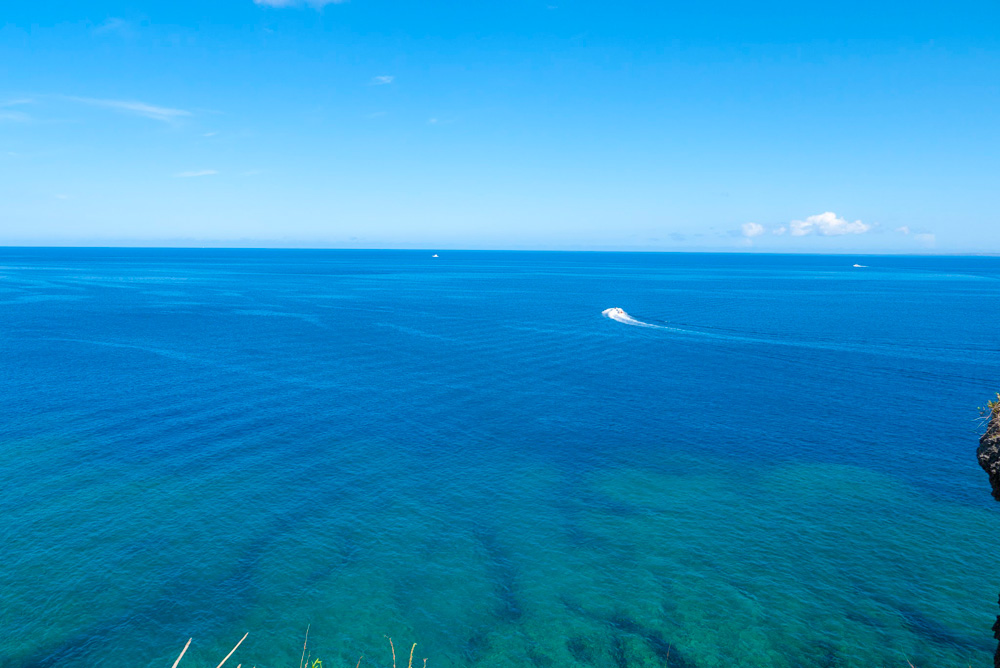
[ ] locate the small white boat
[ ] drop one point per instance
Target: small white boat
(860, 266)
(435, 255)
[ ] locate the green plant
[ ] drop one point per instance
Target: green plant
(991, 409)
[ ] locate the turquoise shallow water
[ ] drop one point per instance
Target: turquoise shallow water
(463, 453)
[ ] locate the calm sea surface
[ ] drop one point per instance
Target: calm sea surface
(462, 452)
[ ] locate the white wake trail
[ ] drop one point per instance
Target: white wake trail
(619, 315)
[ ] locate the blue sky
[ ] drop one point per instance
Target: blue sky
(576, 124)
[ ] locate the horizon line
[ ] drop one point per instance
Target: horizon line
(707, 251)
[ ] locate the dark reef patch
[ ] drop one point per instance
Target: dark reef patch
(503, 573)
(476, 646)
(619, 654)
(582, 649)
(622, 627)
(539, 659)
(934, 631)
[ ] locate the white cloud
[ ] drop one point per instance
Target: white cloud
(315, 4)
(827, 225)
(200, 172)
(114, 24)
(14, 117)
(823, 224)
(925, 239)
(165, 114)
(382, 80)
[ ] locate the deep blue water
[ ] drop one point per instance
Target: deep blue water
(463, 453)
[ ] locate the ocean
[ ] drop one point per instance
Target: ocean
(769, 461)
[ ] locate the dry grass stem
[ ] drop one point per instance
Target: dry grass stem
(393, 652)
(234, 649)
(411, 654)
(181, 655)
(304, 645)
(359, 661)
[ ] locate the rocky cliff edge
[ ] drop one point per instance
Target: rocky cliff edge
(989, 449)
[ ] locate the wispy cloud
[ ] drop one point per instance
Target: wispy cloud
(156, 113)
(14, 116)
(200, 172)
(315, 4)
(826, 224)
(114, 25)
(920, 237)
(382, 80)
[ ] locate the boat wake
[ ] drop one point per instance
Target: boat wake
(619, 315)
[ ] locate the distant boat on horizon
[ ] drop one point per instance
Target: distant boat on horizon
(863, 266)
(435, 255)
